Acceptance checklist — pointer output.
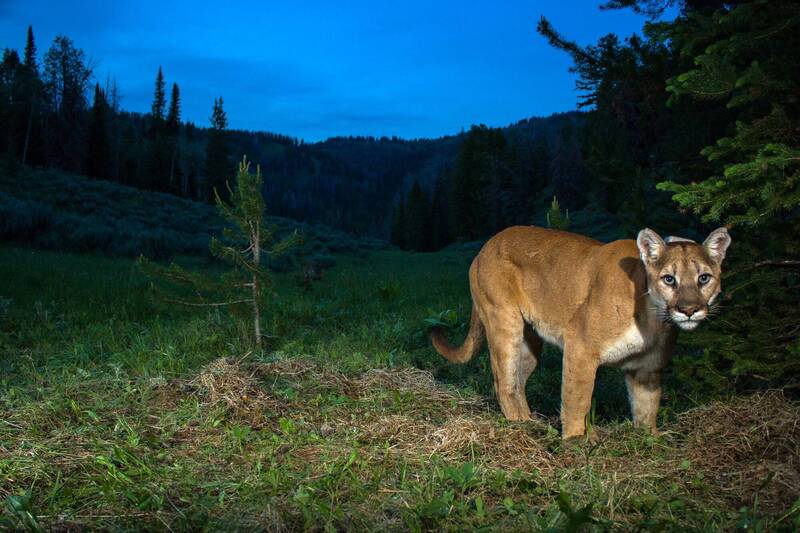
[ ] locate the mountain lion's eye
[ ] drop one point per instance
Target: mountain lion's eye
(704, 278)
(669, 280)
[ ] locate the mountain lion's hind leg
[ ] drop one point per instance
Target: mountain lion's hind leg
(506, 351)
(529, 354)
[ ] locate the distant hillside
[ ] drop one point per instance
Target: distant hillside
(353, 183)
(57, 210)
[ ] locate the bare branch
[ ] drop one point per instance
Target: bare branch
(775, 263)
(210, 304)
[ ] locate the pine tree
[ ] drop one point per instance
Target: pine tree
(720, 75)
(622, 142)
(418, 220)
(243, 244)
(219, 119)
(743, 57)
(30, 61)
(479, 179)
(217, 151)
(758, 164)
(540, 164)
(398, 231)
(66, 77)
(555, 219)
(440, 231)
(174, 114)
(10, 112)
(159, 149)
(32, 93)
(98, 151)
(159, 98)
(172, 129)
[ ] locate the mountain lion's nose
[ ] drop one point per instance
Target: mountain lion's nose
(688, 310)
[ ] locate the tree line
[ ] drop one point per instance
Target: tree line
(497, 178)
(49, 121)
(56, 114)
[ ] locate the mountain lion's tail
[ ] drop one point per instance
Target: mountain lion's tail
(471, 345)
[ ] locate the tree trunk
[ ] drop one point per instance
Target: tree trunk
(172, 184)
(28, 133)
(255, 242)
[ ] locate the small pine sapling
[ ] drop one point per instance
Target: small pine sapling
(555, 219)
(245, 214)
(244, 243)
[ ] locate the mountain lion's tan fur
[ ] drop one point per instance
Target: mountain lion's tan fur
(618, 304)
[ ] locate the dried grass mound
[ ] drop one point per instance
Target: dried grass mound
(225, 381)
(507, 447)
(749, 445)
(459, 439)
(429, 395)
(403, 433)
(292, 367)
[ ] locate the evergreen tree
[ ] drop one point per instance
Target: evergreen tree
(476, 167)
(540, 165)
(418, 220)
(217, 151)
(177, 184)
(159, 99)
(32, 93)
(174, 114)
(567, 169)
(720, 75)
(30, 60)
(555, 219)
(743, 56)
(66, 80)
(440, 230)
(98, 151)
(243, 244)
(10, 106)
(757, 164)
(248, 237)
(622, 144)
(159, 149)
(398, 232)
(115, 127)
(219, 119)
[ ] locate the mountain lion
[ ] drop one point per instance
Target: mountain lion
(617, 304)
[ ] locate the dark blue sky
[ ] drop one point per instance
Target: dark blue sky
(412, 69)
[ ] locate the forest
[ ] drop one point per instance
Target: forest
(120, 408)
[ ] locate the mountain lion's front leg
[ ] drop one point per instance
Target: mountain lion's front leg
(644, 393)
(577, 386)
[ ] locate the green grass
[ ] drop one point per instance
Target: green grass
(121, 412)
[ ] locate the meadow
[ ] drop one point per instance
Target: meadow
(119, 411)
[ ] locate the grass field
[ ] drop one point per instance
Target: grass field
(121, 412)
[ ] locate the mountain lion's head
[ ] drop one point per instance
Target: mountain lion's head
(683, 277)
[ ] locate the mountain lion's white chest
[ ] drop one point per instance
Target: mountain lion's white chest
(631, 342)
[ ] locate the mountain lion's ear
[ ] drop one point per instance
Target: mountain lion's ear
(651, 246)
(716, 244)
